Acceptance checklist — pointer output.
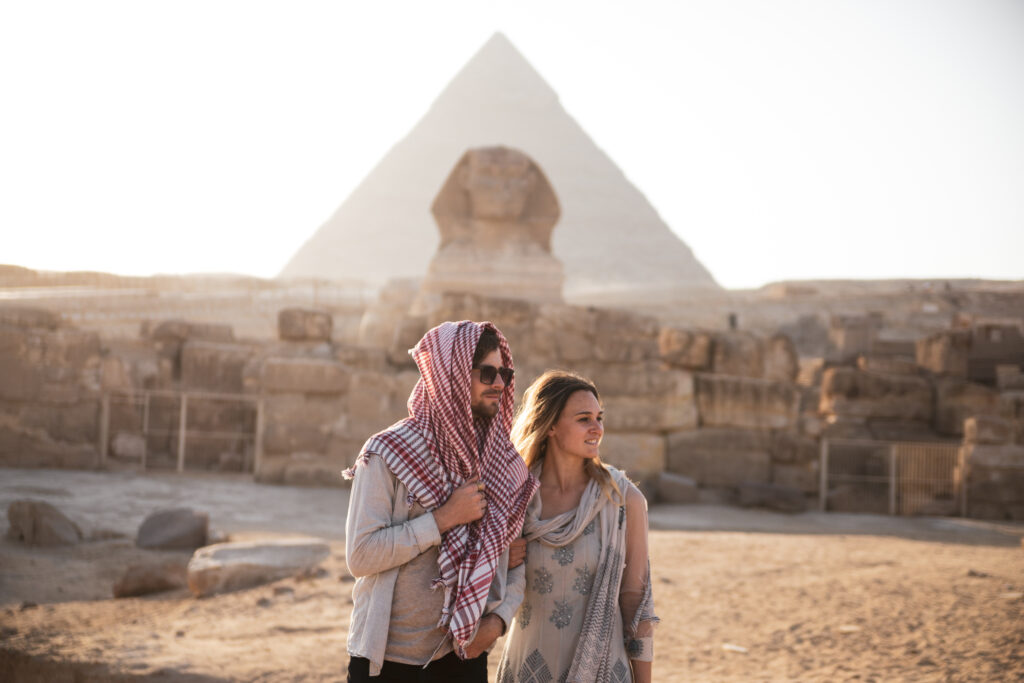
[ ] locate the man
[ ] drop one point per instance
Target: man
(436, 500)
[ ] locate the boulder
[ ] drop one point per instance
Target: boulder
(299, 324)
(988, 429)
(689, 349)
(856, 393)
(724, 401)
(675, 488)
(173, 529)
(957, 399)
(34, 522)
(772, 496)
(304, 376)
(153, 577)
(233, 566)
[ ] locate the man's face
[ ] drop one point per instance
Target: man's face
(484, 399)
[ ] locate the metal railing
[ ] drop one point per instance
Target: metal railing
(900, 478)
(142, 402)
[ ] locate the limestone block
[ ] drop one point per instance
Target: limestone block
(375, 401)
(300, 324)
(304, 376)
(299, 423)
(690, 349)
(945, 353)
(151, 577)
(128, 446)
(28, 318)
(564, 333)
(856, 393)
(34, 522)
(675, 488)
(641, 456)
(771, 496)
(792, 448)
(1009, 457)
(659, 400)
(182, 330)
(809, 372)
(729, 401)
(22, 447)
(958, 399)
(306, 470)
(803, 478)
(781, 362)
(409, 331)
(362, 358)
(720, 457)
(1009, 378)
(988, 430)
(888, 365)
(901, 430)
(173, 529)
(622, 336)
(233, 566)
(377, 328)
(214, 366)
(64, 422)
(738, 353)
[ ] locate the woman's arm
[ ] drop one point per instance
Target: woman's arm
(634, 594)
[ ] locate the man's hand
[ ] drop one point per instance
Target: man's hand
(490, 629)
(516, 553)
(466, 504)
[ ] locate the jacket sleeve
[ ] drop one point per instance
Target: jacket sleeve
(507, 588)
(373, 543)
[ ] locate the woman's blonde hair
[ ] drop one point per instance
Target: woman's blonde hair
(542, 405)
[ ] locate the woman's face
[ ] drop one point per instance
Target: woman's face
(579, 428)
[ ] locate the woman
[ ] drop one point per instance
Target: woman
(587, 613)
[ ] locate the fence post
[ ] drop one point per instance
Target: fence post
(145, 428)
(962, 457)
(892, 479)
(823, 476)
(104, 429)
(258, 445)
(182, 425)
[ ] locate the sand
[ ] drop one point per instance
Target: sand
(743, 595)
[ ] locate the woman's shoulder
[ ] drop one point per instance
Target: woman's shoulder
(634, 496)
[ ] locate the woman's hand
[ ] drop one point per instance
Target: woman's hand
(466, 504)
(516, 553)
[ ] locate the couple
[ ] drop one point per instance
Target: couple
(438, 499)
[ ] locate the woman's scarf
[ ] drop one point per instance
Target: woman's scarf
(439, 447)
(593, 658)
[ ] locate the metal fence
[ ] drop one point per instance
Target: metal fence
(898, 478)
(180, 421)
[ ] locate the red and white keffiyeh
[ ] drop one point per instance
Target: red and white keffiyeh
(436, 449)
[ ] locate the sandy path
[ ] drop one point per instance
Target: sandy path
(852, 597)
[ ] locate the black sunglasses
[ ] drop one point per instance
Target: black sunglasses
(489, 372)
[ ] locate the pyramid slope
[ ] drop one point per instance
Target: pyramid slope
(609, 234)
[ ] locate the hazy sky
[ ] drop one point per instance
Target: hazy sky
(780, 140)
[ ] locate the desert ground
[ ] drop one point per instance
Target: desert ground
(743, 595)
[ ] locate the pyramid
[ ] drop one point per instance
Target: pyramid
(609, 236)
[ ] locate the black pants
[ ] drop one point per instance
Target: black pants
(447, 669)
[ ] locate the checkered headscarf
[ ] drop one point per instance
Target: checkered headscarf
(438, 447)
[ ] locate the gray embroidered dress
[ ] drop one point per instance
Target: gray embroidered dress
(564, 556)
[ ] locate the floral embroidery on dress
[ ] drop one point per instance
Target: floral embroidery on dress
(535, 669)
(634, 647)
(589, 529)
(564, 555)
(620, 674)
(525, 612)
(542, 581)
(562, 615)
(584, 581)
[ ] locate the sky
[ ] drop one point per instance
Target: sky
(780, 140)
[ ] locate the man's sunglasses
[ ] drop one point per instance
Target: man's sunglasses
(489, 372)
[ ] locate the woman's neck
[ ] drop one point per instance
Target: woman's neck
(564, 473)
